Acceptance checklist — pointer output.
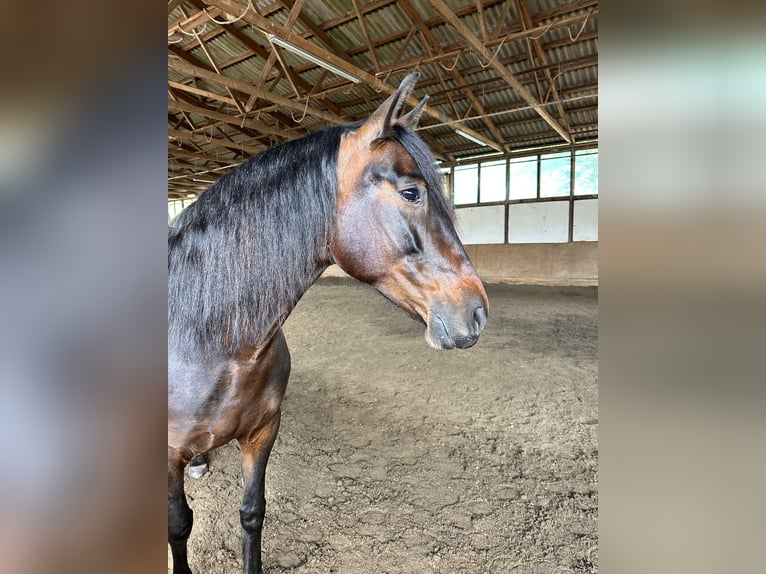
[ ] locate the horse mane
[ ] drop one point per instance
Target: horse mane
(248, 248)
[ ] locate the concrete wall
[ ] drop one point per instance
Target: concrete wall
(537, 263)
(533, 263)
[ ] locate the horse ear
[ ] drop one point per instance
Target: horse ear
(410, 119)
(388, 113)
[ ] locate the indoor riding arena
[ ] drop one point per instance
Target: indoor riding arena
(392, 456)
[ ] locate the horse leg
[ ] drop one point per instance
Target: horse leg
(180, 516)
(255, 455)
(198, 466)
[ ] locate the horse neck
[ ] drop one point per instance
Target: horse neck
(299, 253)
(246, 252)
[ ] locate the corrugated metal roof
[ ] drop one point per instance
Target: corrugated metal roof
(449, 71)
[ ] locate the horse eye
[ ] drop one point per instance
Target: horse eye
(410, 195)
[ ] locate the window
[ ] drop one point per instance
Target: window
(466, 184)
(176, 206)
(446, 182)
(586, 172)
(549, 196)
(492, 178)
(523, 178)
(555, 170)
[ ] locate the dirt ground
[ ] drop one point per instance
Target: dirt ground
(395, 458)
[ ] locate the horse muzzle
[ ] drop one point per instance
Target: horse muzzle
(450, 328)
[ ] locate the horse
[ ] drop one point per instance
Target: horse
(365, 196)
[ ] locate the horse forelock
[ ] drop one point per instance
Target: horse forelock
(414, 145)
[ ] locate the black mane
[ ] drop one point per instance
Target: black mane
(247, 249)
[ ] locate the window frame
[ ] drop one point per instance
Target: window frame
(539, 155)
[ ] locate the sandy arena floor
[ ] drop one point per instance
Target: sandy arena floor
(395, 458)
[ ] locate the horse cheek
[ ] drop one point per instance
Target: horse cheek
(354, 247)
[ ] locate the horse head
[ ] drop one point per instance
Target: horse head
(395, 229)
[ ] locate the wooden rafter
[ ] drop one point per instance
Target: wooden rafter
(199, 92)
(565, 12)
(552, 90)
(295, 10)
(477, 45)
(500, 24)
(482, 21)
(212, 42)
(456, 76)
(229, 119)
(440, 96)
(530, 55)
(184, 104)
(201, 139)
(366, 34)
(451, 51)
(198, 155)
(172, 5)
(269, 27)
(205, 74)
(263, 53)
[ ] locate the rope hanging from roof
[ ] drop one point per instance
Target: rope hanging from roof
(304, 111)
(581, 28)
(455, 64)
(235, 20)
(196, 33)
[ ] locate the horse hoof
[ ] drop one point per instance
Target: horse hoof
(197, 468)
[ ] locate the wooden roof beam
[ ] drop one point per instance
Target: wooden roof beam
(172, 5)
(174, 151)
(528, 46)
(456, 76)
(366, 35)
(541, 57)
(336, 49)
(264, 53)
(217, 118)
(500, 30)
(500, 24)
(482, 21)
(440, 97)
(225, 81)
(203, 93)
(274, 55)
(452, 51)
(367, 8)
(477, 45)
(325, 38)
(201, 139)
(267, 26)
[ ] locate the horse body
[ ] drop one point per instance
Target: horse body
(236, 397)
(364, 196)
(229, 398)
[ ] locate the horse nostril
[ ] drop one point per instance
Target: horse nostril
(480, 318)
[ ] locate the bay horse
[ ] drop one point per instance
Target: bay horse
(365, 196)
